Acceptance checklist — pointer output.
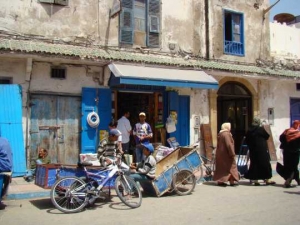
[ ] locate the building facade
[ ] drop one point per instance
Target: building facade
(202, 62)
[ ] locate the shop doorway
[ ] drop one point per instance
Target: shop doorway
(135, 102)
(234, 105)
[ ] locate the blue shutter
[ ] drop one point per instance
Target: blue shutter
(180, 104)
(90, 97)
(153, 31)
(126, 22)
(11, 125)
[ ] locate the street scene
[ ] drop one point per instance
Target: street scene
(149, 112)
(208, 204)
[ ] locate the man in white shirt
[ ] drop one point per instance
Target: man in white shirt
(125, 128)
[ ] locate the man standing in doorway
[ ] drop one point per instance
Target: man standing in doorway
(142, 133)
(125, 128)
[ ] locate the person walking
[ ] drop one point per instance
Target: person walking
(142, 133)
(226, 168)
(290, 143)
(125, 128)
(6, 164)
(260, 166)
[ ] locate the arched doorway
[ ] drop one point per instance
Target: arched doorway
(234, 105)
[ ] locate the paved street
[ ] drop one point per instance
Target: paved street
(208, 204)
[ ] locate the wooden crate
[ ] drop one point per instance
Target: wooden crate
(45, 175)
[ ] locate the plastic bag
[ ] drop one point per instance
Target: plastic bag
(170, 125)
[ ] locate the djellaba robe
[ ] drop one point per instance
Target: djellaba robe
(225, 158)
(260, 166)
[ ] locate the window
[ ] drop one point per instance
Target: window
(234, 33)
(57, 2)
(5, 80)
(298, 86)
(58, 73)
(140, 22)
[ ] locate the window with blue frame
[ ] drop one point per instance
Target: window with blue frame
(140, 22)
(234, 33)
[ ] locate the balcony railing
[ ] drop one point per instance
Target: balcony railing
(234, 48)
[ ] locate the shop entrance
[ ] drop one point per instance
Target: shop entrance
(136, 102)
(234, 105)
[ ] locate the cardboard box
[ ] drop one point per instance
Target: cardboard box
(90, 157)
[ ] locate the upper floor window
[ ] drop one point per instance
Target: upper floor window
(140, 22)
(56, 2)
(234, 33)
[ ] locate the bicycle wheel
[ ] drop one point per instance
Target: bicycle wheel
(128, 191)
(68, 194)
(184, 182)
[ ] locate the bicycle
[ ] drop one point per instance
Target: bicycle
(72, 194)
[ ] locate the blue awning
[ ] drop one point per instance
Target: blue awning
(155, 76)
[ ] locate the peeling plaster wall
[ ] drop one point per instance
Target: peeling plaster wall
(256, 30)
(82, 20)
(76, 78)
(183, 23)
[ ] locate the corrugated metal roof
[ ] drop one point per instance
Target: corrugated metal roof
(39, 47)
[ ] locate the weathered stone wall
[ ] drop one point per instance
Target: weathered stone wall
(256, 29)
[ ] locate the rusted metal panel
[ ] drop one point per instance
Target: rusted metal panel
(55, 122)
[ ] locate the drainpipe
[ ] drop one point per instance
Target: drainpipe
(28, 79)
(207, 42)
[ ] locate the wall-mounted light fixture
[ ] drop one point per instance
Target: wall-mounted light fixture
(271, 116)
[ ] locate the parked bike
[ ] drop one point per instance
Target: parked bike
(72, 194)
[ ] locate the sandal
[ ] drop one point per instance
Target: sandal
(270, 182)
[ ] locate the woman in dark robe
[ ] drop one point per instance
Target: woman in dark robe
(226, 168)
(290, 143)
(260, 166)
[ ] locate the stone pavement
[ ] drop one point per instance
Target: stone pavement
(21, 189)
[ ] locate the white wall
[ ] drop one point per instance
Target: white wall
(276, 94)
(284, 41)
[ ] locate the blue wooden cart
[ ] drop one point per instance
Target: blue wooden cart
(175, 172)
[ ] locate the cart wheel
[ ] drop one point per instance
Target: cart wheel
(184, 182)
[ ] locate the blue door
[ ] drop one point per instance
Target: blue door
(99, 101)
(181, 105)
(54, 125)
(295, 109)
(11, 125)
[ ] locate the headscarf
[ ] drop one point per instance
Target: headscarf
(293, 132)
(256, 121)
(225, 127)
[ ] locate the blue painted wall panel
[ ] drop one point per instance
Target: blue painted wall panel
(11, 125)
(180, 104)
(99, 101)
